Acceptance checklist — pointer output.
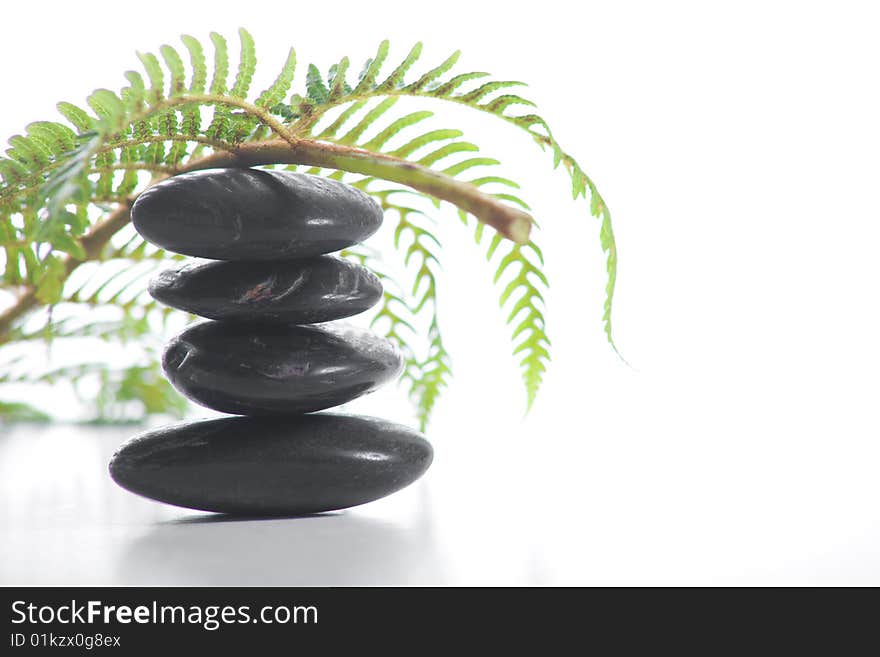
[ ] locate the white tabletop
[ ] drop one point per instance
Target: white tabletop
(505, 509)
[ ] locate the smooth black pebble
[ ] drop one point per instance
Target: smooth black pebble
(250, 214)
(272, 466)
(253, 368)
(308, 291)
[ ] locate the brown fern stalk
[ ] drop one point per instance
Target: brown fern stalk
(507, 220)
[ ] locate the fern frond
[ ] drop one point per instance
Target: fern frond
(66, 188)
(424, 376)
(485, 98)
(531, 346)
(435, 374)
(522, 296)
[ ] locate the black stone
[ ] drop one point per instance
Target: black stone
(272, 466)
(253, 368)
(306, 291)
(246, 214)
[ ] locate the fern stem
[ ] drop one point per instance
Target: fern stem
(288, 149)
(510, 222)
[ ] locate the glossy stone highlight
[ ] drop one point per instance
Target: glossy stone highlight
(305, 291)
(249, 214)
(252, 368)
(272, 466)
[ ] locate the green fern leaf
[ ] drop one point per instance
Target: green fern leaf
(377, 142)
(51, 280)
(219, 124)
(475, 96)
(221, 64)
(197, 62)
(57, 137)
(529, 335)
(12, 171)
(470, 163)
(247, 65)
(447, 88)
(443, 152)
(336, 81)
(352, 136)
(426, 376)
(134, 95)
(40, 151)
(77, 117)
(423, 140)
(276, 93)
(65, 181)
(315, 86)
(157, 77)
(434, 73)
(106, 105)
(28, 152)
(367, 78)
(190, 117)
(396, 78)
(434, 376)
(331, 130)
(175, 66)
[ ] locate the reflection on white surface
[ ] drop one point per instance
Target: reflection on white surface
(326, 550)
(499, 506)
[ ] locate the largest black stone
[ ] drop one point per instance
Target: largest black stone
(252, 368)
(249, 214)
(272, 466)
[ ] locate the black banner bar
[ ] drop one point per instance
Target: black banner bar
(133, 620)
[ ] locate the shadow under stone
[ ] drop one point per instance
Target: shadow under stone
(209, 518)
(328, 549)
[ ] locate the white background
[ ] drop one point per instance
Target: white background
(737, 147)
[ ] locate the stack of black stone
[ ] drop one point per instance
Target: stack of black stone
(265, 352)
